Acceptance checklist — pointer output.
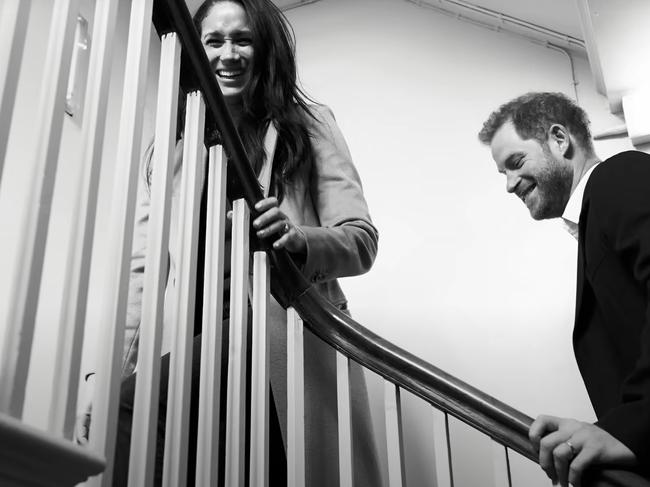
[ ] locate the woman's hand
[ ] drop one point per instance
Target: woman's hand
(273, 223)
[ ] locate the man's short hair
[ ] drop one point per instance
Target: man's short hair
(533, 114)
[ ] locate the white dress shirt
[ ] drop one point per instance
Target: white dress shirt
(571, 215)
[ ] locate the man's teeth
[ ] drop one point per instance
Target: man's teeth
(527, 192)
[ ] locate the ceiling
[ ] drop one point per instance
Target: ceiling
(557, 15)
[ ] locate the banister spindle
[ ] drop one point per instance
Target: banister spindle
(207, 451)
(13, 28)
(146, 398)
(259, 463)
(394, 436)
(18, 312)
(111, 329)
(236, 397)
(295, 401)
(180, 361)
(212, 335)
(442, 449)
(346, 471)
(501, 465)
(77, 270)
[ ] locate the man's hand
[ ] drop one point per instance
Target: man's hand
(567, 447)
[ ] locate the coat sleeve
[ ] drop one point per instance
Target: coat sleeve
(345, 243)
(624, 211)
(138, 257)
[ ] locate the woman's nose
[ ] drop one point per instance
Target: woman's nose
(229, 50)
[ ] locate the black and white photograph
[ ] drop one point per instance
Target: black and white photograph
(324, 243)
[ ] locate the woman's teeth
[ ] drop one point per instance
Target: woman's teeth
(230, 73)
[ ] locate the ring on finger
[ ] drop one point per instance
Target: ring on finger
(574, 452)
(285, 227)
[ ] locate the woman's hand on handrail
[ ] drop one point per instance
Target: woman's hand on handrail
(273, 223)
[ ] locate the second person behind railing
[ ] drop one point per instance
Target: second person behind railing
(316, 211)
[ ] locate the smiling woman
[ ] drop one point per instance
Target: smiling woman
(313, 207)
(250, 47)
(228, 42)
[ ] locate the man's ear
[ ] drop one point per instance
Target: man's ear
(559, 140)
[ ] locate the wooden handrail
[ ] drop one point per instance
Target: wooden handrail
(479, 410)
(483, 412)
(37, 458)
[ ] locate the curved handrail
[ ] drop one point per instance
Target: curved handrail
(29, 453)
(481, 411)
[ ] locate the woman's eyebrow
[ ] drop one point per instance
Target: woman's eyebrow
(245, 31)
(237, 32)
(208, 35)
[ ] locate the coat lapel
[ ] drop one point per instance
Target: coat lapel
(580, 282)
(581, 274)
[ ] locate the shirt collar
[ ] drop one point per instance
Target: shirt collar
(571, 215)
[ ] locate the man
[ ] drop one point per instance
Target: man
(542, 144)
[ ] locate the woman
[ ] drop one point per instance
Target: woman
(316, 212)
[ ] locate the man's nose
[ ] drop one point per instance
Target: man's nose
(512, 180)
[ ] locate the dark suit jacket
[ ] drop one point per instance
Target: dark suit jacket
(611, 337)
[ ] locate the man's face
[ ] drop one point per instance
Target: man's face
(540, 178)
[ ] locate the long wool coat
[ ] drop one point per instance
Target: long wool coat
(326, 202)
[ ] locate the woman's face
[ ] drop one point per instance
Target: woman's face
(228, 42)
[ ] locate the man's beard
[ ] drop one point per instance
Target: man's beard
(554, 187)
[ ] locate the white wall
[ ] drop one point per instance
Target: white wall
(464, 277)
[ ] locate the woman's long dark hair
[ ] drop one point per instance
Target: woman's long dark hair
(273, 93)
